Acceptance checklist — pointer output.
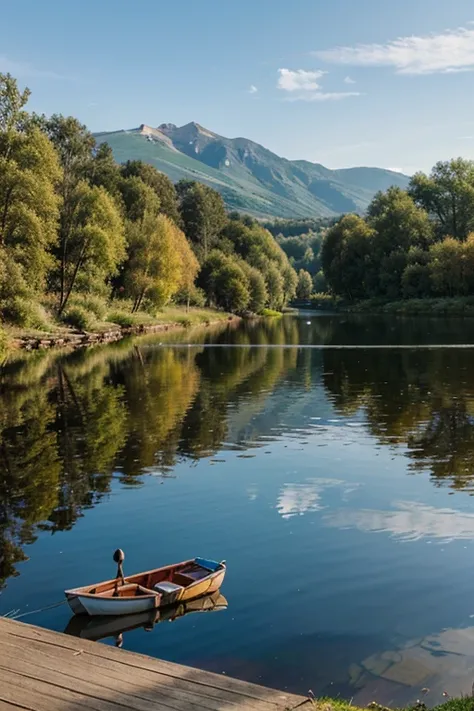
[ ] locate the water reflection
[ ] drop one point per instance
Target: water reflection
(410, 521)
(100, 628)
(70, 424)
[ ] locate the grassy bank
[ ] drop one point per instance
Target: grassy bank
(462, 704)
(108, 325)
(453, 306)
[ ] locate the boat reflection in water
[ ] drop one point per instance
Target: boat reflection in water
(98, 628)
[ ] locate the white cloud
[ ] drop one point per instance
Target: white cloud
(410, 521)
(349, 80)
(299, 80)
(23, 70)
(253, 89)
(302, 85)
(447, 52)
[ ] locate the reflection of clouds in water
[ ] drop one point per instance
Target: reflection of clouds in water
(298, 499)
(441, 662)
(252, 492)
(410, 522)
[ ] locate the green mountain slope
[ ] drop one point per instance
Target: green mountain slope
(251, 178)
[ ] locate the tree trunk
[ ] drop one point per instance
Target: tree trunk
(79, 263)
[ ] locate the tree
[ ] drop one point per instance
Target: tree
(203, 214)
(447, 194)
(257, 288)
(399, 225)
(305, 285)
(159, 183)
(74, 144)
(94, 244)
(160, 261)
(452, 266)
(225, 282)
(275, 287)
(13, 118)
(446, 267)
(104, 171)
(29, 174)
(346, 256)
(188, 264)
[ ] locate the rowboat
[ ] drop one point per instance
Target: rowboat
(153, 589)
(98, 628)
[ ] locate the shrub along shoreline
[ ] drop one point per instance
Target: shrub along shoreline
(449, 306)
(173, 319)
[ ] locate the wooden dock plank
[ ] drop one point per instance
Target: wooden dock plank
(41, 670)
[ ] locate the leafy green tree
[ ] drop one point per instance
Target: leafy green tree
(160, 261)
(320, 285)
(257, 288)
(399, 223)
(447, 194)
(159, 182)
(346, 256)
(225, 282)
(446, 266)
(305, 285)
(29, 174)
(203, 214)
(94, 244)
(452, 266)
(104, 171)
(275, 287)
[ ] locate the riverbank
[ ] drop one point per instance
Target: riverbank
(118, 326)
(453, 306)
(462, 704)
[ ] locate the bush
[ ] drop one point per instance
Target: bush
(90, 302)
(77, 317)
(270, 313)
(196, 297)
(20, 311)
(121, 318)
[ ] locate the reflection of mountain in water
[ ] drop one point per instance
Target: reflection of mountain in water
(69, 424)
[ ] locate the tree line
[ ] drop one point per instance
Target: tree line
(78, 230)
(411, 244)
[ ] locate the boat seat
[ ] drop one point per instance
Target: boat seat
(166, 587)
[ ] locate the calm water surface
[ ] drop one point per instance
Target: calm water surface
(335, 481)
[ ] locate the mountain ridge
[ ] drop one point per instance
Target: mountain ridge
(250, 177)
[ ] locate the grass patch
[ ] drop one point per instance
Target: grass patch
(193, 317)
(465, 703)
(270, 313)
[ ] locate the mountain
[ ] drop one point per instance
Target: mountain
(250, 178)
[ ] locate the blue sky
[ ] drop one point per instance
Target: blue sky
(341, 82)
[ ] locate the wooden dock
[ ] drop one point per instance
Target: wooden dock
(42, 670)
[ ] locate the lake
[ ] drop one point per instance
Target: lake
(328, 458)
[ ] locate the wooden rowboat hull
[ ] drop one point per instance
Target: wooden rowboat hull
(147, 591)
(98, 628)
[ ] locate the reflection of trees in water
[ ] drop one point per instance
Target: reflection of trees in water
(420, 398)
(68, 423)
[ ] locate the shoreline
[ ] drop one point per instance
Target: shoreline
(78, 339)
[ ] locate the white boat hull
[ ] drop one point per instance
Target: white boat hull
(88, 605)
